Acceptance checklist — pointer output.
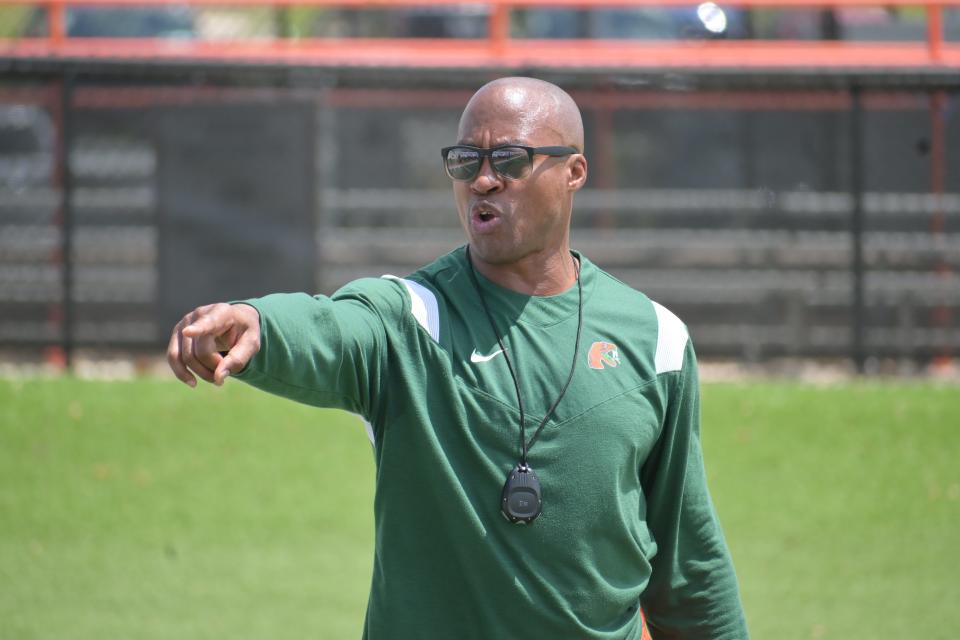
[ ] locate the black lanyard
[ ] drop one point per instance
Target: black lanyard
(521, 500)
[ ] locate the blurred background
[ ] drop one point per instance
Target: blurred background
(783, 175)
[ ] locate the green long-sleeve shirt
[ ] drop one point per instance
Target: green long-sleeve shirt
(627, 520)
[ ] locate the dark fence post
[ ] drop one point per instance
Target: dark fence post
(67, 220)
(942, 313)
(327, 181)
(857, 328)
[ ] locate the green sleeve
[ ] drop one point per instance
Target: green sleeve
(693, 592)
(326, 351)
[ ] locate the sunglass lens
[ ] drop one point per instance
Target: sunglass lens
(512, 162)
(462, 164)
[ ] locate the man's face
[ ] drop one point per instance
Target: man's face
(507, 220)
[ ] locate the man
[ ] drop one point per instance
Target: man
(535, 421)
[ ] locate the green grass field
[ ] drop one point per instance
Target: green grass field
(146, 510)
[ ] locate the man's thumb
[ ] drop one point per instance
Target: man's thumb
(228, 365)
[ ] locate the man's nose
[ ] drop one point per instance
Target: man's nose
(487, 180)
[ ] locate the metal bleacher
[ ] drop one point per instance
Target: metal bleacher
(113, 248)
(746, 291)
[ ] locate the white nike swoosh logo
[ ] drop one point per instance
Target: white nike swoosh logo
(476, 357)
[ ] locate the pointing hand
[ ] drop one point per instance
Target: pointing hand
(213, 342)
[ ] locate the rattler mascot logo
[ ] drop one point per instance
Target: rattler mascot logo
(603, 354)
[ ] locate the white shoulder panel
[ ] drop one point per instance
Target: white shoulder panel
(423, 306)
(369, 429)
(671, 340)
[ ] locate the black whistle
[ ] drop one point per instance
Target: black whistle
(521, 501)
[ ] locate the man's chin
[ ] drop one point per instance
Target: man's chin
(492, 252)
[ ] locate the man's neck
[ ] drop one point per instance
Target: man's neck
(541, 274)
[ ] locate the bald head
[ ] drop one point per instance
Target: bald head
(534, 107)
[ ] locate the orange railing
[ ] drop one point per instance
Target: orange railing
(498, 49)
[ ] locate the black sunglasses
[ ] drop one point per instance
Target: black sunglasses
(463, 162)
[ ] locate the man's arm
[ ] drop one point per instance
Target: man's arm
(324, 351)
(693, 592)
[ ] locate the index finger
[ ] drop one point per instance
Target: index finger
(216, 321)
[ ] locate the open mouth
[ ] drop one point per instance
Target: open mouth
(485, 212)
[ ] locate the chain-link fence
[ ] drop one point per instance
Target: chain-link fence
(814, 218)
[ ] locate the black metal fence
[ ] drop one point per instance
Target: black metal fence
(808, 215)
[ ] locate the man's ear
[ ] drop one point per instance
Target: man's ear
(577, 172)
